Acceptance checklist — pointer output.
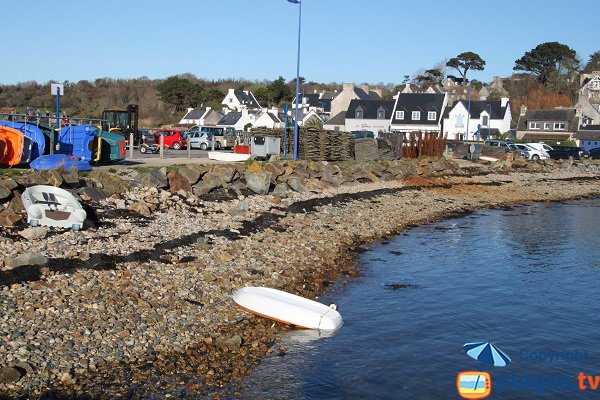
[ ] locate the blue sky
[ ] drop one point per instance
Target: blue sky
(342, 40)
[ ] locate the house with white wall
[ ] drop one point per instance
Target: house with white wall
(237, 100)
(369, 115)
(201, 116)
(268, 119)
(350, 92)
(492, 116)
(238, 119)
(415, 112)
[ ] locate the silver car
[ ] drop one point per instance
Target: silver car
(199, 140)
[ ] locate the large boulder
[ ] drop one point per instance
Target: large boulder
(9, 375)
(281, 190)
(71, 179)
(5, 193)
(16, 204)
(154, 178)
(295, 183)
(110, 183)
(92, 194)
(259, 182)
(332, 174)
(9, 218)
(53, 177)
(25, 259)
(178, 183)
(141, 208)
(191, 172)
(33, 179)
(225, 172)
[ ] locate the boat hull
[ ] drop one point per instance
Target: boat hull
(228, 157)
(52, 206)
(288, 308)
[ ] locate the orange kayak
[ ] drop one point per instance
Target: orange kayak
(11, 146)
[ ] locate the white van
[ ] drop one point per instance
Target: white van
(540, 146)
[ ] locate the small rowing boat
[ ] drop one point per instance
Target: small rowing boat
(228, 157)
(288, 308)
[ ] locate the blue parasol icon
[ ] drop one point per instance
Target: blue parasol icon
(487, 353)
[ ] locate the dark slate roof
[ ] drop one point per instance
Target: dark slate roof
(313, 100)
(196, 113)
(246, 99)
(589, 128)
(423, 102)
(566, 115)
(329, 95)
(339, 119)
(370, 108)
(230, 118)
(588, 132)
(362, 95)
(274, 117)
(477, 107)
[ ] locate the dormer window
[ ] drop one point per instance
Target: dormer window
(431, 116)
(559, 126)
(416, 115)
(381, 113)
(358, 114)
(399, 114)
(534, 125)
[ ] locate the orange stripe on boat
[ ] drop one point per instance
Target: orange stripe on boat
(12, 149)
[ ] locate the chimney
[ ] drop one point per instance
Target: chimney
(523, 109)
(246, 92)
(348, 86)
(189, 109)
(504, 101)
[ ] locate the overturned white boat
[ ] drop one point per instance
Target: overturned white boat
(288, 308)
(228, 157)
(52, 206)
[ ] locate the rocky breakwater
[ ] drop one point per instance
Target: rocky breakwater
(139, 303)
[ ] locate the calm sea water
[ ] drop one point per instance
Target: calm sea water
(527, 279)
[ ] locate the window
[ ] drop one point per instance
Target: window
(399, 114)
(431, 116)
(559, 126)
(358, 114)
(381, 113)
(460, 121)
(485, 120)
(416, 115)
(596, 85)
(534, 125)
(546, 126)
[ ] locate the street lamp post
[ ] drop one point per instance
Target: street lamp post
(297, 78)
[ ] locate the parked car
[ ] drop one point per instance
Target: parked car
(595, 154)
(540, 146)
(568, 153)
(174, 139)
(497, 143)
(528, 152)
(200, 140)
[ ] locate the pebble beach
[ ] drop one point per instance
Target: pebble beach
(139, 304)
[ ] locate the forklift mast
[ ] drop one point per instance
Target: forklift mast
(123, 121)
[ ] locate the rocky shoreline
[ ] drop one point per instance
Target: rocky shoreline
(139, 304)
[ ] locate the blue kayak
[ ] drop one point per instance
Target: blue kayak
(54, 161)
(35, 134)
(75, 140)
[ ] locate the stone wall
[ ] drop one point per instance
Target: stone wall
(278, 178)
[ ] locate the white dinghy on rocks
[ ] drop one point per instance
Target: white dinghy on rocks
(288, 308)
(52, 206)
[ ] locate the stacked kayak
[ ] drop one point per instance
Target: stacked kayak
(12, 142)
(31, 133)
(73, 150)
(59, 161)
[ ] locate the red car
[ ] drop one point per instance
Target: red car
(174, 139)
